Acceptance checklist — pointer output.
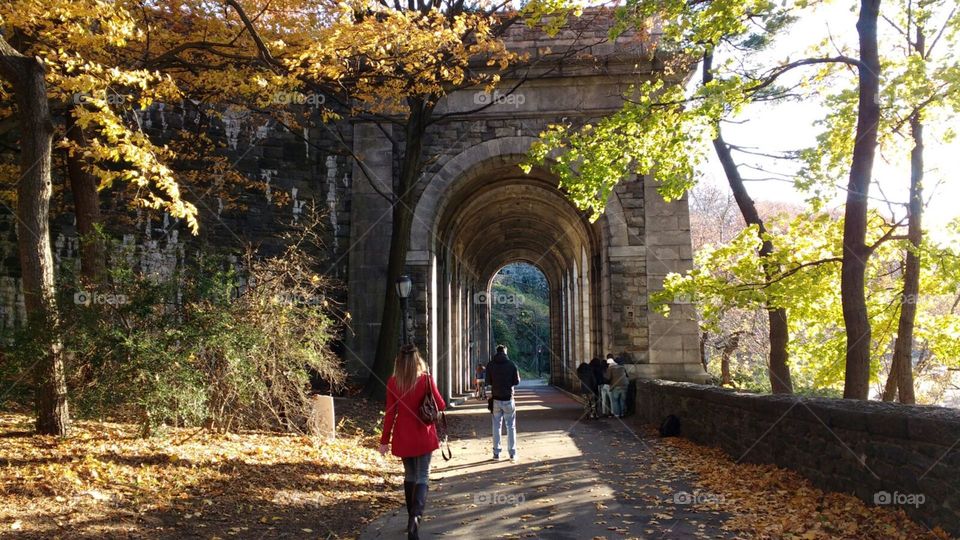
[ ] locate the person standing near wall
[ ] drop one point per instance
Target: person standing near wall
(480, 381)
(619, 384)
(413, 440)
(605, 387)
(502, 376)
(599, 367)
(588, 390)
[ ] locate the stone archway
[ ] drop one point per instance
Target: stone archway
(476, 211)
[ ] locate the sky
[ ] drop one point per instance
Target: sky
(791, 126)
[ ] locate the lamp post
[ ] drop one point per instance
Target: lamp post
(404, 286)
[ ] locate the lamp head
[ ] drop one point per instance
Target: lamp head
(404, 286)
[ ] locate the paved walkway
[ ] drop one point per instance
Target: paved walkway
(575, 479)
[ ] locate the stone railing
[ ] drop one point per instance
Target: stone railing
(884, 453)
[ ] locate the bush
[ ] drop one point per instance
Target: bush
(215, 344)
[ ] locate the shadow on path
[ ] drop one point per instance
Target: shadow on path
(575, 479)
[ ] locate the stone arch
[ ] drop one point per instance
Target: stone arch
(459, 169)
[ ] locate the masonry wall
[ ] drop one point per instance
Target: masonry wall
(287, 173)
(873, 450)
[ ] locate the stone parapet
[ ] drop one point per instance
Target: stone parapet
(880, 452)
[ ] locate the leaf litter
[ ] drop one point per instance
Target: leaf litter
(105, 481)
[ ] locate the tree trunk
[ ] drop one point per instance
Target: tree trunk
(26, 77)
(389, 338)
(780, 380)
(901, 367)
(903, 350)
(729, 347)
(890, 388)
(86, 205)
(725, 371)
(725, 379)
(779, 368)
(703, 349)
(855, 250)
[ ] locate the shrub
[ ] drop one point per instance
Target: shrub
(216, 343)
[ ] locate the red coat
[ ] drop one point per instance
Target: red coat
(411, 437)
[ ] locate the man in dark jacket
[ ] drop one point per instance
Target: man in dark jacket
(588, 389)
(599, 367)
(502, 376)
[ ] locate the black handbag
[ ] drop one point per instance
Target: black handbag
(429, 411)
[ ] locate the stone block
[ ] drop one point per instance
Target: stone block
(666, 356)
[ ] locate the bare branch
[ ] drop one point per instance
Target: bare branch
(265, 54)
(771, 76)
(946, 23)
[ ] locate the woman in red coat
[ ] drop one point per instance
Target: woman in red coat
(413, 441)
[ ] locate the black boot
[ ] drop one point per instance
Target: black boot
(408, 496)
(419, 502)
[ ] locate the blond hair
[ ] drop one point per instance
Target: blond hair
(407, 368)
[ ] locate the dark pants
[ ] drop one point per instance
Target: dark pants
(416, 475)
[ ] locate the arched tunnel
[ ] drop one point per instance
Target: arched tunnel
(503, 216)
(479, 212)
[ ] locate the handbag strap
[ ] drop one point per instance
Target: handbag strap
(447, 453)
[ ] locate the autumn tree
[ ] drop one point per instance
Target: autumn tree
(110, 64)
(925, 86)
(779, 334)
(51, 55)
(25, 75)
(715, 221)
(856, 251)
(921, 83)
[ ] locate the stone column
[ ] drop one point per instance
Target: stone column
(585, 307)
(626, 280)
(554, 348)
(419, 269)
(486, 347)
(434, 311)
(461, 340)
(370, 226)
(674, 351)
(448, 323)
